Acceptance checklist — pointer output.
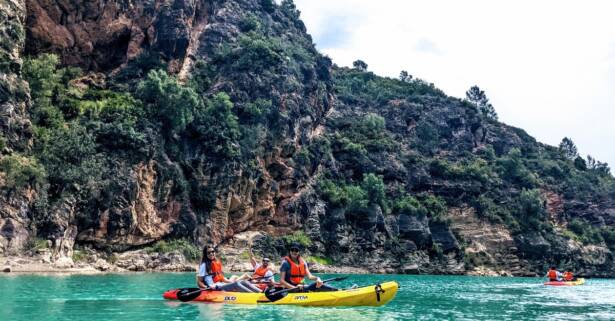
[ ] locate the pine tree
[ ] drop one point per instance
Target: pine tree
(360, 65)
(477, 97)
(404, 76)
(568, 148)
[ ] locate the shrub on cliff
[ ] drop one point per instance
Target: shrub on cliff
(70, 156)
(410, 206)
(257, 53)
(587, 233)
(21, 171)
(512, 168)
(374, 187)
(531, 209)
(173, 103)
(183, 246)
(217, 128)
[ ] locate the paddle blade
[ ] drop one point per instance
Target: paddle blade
(188, 294)
(275, 294)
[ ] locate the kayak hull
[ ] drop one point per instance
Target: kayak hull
(578, 281)
(364, 296)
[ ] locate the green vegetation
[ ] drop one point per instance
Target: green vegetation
(568, 148)
(79, 256)
(319, 259)
(183, 246)
(298, 237)
(217, 128)
(478, 99)
(173, 103)
(35, 243)
(21, 171)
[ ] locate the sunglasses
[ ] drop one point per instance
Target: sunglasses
(294, 250)
(211, 252)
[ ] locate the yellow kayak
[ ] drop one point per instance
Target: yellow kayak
(578, 281)
(373, 295)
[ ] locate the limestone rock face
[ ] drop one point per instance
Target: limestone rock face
(106, 34)
(301, 120)
(15, 127)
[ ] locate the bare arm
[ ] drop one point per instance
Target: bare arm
(200, 283)
(252, 259)
(283, 281)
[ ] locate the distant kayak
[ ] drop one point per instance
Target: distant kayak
(373, 295)
(578, 281)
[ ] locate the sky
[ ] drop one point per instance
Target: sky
(546, 66)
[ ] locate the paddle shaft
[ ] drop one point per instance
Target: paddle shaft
(189, 294)
(323, 282)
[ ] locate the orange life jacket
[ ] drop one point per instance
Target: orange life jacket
(297, 271)
(568, 276)
(260, 271)
(552, 274)
(216, 271)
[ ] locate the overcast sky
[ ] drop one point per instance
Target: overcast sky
(547, 66)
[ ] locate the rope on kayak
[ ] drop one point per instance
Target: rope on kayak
(378, 289)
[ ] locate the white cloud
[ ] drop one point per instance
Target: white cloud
(547, 66)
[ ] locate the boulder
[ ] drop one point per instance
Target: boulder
(442, 235)
(533, 245)
(410, 269)
(415, 228)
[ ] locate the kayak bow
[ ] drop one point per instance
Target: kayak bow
(373, 295)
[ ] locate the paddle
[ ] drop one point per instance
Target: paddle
(277, 295)
(189, 294)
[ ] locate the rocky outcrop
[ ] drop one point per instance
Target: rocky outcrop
(301, 120)
(15, 128)
(104, 35)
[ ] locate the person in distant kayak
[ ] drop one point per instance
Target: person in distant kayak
(294, 270)
(554, 275)
(568, 276)
(211, 276)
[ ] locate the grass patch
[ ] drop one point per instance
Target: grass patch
(319, 260)
(79, 256)
(183, 246)
(298, 237)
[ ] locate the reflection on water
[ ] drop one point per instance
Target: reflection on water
(138, 297)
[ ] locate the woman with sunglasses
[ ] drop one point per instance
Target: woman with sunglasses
(211, 276)
(294, 270)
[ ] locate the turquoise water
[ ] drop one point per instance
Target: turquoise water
(138, 297)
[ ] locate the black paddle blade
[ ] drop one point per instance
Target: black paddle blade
(188, 294)
(274, 294)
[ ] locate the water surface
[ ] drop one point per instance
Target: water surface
(138, 297)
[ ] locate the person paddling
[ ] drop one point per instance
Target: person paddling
(553, 274)
(211, 276)
(568, 276)
(293, 271)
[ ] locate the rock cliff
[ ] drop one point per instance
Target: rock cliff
(203, 120)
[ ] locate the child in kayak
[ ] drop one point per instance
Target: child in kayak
(553, 274)
(211, 275)
(293, 271)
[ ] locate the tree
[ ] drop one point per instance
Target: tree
(404, 76)
(568, 148)
(598, 166)
(218, 127)
(173, 103)
(477, 97)
(360, 65)
(374, 186)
